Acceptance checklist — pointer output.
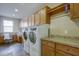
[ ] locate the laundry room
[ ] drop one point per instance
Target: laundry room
(39, 29)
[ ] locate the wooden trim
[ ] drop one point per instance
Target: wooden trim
(58, 9)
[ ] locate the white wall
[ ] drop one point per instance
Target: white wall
(1, 30)
(15, 22)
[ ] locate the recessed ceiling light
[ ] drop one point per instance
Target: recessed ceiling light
(13, 14)
(16, 10)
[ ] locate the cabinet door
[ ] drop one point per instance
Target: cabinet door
(25, 24)
(48, 48)
(30, 21)
(37, 18)
(22, 23)
(43, 51)
(43, 16)
(27, 21)
(33, 20)
(50, 51)
(47, 51)
(2, 40)
(74, 8)
(60, 53)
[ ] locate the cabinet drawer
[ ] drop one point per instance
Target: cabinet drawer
(49, 43)
(60, 53)
(68, 49)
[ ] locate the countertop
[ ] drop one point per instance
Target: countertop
(63, 40)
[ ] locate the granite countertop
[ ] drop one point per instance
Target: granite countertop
(74, 42)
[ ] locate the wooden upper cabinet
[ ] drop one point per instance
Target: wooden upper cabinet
(30, 20)
(44, 16)
(33, 20)
(74, 10)
(27, 22)
(37, 18)
(24, 22)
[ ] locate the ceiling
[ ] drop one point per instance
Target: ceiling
(19, 10)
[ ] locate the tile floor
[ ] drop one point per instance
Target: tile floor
(12, 50)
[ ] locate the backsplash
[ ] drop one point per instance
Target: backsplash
(61, 24)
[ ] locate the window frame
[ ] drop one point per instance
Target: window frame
(8, 26)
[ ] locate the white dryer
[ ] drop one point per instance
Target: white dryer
(26, 40)
(35, 35)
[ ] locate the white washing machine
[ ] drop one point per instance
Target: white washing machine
(26, 40)
(35, 35)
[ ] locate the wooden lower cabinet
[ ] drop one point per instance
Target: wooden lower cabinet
(17, 39)
(2, 40)
(61, 53)
(43, 50)
(50, 51)
(71, 50)
(49, 48)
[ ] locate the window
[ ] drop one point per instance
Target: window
(8, 26)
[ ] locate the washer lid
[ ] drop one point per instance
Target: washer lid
(32, 37)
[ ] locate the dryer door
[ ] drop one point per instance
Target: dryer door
(32, 37)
